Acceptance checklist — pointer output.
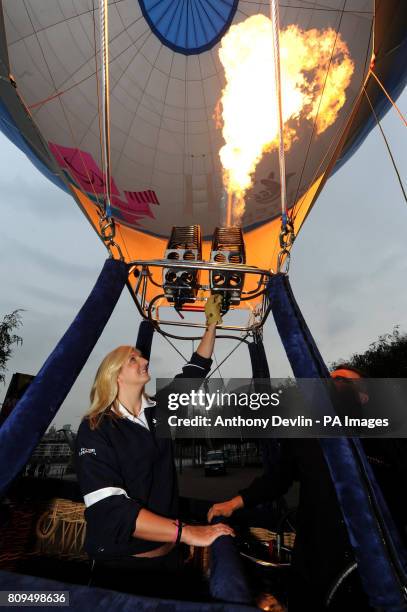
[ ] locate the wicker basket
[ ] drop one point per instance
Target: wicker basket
(61, 529)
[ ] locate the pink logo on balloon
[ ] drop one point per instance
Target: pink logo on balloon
(87, 174)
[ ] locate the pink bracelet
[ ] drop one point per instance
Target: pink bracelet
(177, 530)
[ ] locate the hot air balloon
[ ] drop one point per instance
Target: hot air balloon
(195, 137)
(173, 100)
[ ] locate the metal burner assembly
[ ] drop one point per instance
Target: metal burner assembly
(228, 247)
(181, 285)
(187, 281)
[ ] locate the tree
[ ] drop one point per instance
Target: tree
(385, 358)
(8, 339)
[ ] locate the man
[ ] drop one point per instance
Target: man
(322, 548)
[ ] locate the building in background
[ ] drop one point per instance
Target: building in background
(54, 455)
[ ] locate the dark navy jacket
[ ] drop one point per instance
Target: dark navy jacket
(123, 467)
(322, 548)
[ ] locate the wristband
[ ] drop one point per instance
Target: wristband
(179, 525)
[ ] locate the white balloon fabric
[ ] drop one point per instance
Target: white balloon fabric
(166, 82)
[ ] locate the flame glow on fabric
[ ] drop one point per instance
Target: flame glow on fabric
(249, 102)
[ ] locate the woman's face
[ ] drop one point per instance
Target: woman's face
(134, 370)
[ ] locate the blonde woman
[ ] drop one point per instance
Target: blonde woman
(127, 473)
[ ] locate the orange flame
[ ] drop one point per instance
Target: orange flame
(249, 100)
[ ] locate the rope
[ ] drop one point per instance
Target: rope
(104, 52)
(388, 96)
(101, 143)
(99, 113)
(61, 529)
(387, 145)
(106, 221)
(275, 23)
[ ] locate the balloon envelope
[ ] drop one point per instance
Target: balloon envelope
(166, 80)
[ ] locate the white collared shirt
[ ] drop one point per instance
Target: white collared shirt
(141, 418)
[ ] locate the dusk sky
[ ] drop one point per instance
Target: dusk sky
(348, 270)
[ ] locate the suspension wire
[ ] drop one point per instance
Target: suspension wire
(320, 101)
(66, 117)
(218, 368)
(297, 205)
(315, 7)
(67, 79)
(371, 71)
(107, 225)
(229, 354)
(387, 144)
(169, 342)
(275, 24)
(334, 142)
(241, 341)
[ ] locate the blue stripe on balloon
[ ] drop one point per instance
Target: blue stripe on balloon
(189, 26)
(11, 130)
(193, 26)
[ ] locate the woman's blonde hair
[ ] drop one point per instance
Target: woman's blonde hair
(105, 388)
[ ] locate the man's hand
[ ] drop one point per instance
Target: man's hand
(226, 508)
(205, 535)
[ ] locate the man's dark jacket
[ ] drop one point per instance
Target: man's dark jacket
(322, 548)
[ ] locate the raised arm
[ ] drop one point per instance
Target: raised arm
(213, 318)
(205, 347)
(200, 362)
